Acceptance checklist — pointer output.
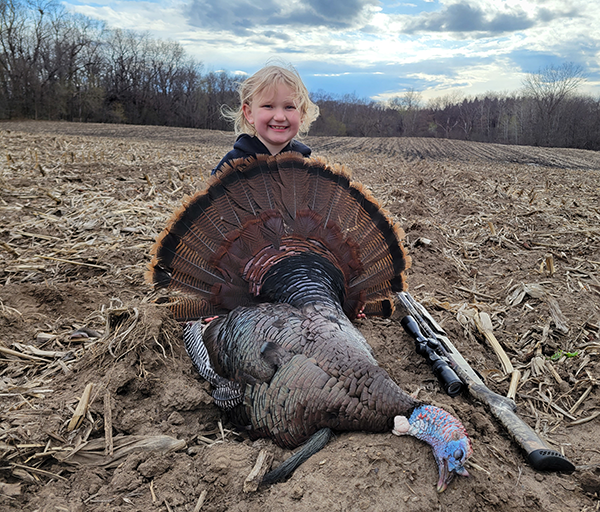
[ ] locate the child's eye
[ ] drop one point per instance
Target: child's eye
(291, 107)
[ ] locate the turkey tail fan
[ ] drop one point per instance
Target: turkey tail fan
(217, 248)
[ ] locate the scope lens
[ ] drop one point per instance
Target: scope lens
(454, 388)
(448, 378)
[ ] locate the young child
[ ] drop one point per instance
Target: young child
(274, 108)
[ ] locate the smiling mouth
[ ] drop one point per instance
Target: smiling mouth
(274, 127)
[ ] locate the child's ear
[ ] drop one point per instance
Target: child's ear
(248, 113)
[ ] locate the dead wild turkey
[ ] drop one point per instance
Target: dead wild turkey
(286, 250)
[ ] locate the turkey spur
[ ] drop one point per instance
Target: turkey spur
(285, 251)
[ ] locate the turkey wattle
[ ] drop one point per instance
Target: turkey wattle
(285, 251)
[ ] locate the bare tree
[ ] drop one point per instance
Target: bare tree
(549, 88)
(22, 34)
(69, 61)
(445, 112)
(467, 117)
(408, 105)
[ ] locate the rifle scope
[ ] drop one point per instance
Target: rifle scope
(430, 349)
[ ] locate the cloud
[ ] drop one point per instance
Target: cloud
(339, 46)
(269, 38)
(468, 17)
(343, 10)
(273, 34)
(243, 16)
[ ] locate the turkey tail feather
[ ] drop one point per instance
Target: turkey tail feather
(256, 212)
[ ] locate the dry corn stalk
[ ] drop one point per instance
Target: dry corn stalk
(538, 363)
(518, 293)
(514, 384)
(484, 325)
(550, 264)
(483, 322)
(82, 407)
(92, 452)
(258, 471)
(200, 501)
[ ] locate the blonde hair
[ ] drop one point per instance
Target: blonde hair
(269, 78)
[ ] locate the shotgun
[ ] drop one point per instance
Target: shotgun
(448, 363)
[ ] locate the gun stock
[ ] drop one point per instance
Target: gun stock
(503, 408)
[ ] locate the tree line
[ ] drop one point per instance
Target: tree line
(60, 66)
(548, 111)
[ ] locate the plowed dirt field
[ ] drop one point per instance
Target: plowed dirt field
(510, 231)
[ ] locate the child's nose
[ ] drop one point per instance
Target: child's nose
(279, 113)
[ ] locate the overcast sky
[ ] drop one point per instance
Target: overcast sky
(375, 49)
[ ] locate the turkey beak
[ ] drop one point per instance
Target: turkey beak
(445, 477)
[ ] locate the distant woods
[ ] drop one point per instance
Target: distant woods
(59, 66)
(546, 112)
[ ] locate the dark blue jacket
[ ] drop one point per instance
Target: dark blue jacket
(247, 145)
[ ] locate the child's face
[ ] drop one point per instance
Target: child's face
(274, 117)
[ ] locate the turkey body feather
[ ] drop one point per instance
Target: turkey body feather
(302, 370)
(286, 251)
